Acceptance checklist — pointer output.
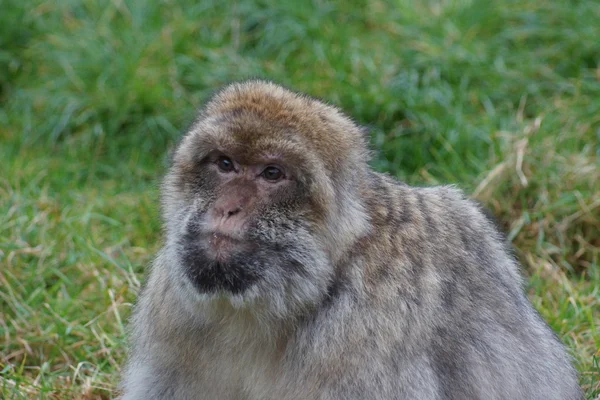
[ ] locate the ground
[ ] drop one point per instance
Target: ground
(500, 97)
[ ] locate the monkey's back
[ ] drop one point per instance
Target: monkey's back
(430, 305)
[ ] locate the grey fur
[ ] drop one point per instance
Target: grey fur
(392, 292)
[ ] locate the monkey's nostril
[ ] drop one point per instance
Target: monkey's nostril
(233, 211)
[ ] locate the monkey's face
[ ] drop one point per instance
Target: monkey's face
(246, 228)
(244, 214)
(262, 198)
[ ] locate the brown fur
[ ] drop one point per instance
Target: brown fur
(377, 290)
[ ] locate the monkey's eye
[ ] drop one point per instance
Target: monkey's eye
(225, 164)
(272, 174)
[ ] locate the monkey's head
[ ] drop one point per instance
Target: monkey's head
(263, 198)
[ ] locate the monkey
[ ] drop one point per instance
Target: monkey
(292, 270)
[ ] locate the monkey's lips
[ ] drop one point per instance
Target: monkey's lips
(221, 245)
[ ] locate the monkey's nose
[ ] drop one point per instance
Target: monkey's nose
(227, 210)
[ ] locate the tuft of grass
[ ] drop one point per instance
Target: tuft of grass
(499, 97)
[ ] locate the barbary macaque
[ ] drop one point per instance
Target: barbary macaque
(292, 271)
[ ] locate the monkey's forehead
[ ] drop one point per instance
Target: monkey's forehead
(266, 97)
(251, 144)
(258, 115)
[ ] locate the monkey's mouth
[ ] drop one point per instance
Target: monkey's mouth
(222, 246)
(218, 262)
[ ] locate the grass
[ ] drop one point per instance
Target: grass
(500, 97)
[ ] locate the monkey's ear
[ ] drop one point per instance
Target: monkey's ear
(367, 137)
(365, 132)
(168, 157)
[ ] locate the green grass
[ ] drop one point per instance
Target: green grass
(500, 97)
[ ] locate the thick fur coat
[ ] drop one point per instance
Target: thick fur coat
(359, 286)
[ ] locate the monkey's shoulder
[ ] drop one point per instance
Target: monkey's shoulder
(434, 232)
(425, 211)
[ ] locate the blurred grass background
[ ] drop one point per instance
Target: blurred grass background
(501, 97)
